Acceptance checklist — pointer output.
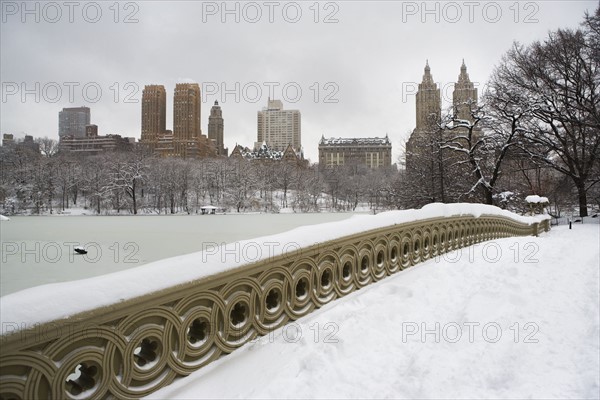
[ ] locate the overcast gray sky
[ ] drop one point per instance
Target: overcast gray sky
(350, 67)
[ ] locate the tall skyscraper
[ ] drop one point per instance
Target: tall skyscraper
(154, 113)
(420, 144)
(464, 94)
(278, 127)
(428, 101)
(186, 139)
(72, 121)
(186, 119)
(216, 127)
(186, 111)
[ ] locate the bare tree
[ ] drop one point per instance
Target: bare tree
(427, 167)
(48, 147)
(126, 175)
(485, 139)
(315, 185)
(95, 181)
(559, 81)
(66, 170)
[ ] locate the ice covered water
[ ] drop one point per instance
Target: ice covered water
(40, 249)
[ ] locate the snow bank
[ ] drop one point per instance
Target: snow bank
(62, 300)
(3, 218)
(474, 324)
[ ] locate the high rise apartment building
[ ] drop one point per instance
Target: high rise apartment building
(278, 128)
(72, 121)
(439, 169)
(186, 139)
(186, 119)
(216, 127)
(186, 112)
(464, 97)
(428, 99)
(428, 111)
(154, 113)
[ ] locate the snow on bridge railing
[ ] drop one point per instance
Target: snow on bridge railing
(128, 334)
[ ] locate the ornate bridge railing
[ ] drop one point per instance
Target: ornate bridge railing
(132, 348)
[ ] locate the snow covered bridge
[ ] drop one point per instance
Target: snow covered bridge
(131, 333)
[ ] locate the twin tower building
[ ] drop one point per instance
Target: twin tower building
(186, 139)
(429, 108)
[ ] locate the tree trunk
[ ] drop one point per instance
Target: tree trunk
(582, 195)
(133, 199)
(489, 198)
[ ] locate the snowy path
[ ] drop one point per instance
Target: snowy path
(516, 318)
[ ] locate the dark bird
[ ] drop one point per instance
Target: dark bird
(80, 250)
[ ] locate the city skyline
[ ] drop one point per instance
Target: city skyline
(372, 73)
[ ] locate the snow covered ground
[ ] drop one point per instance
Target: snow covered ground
(513, 318)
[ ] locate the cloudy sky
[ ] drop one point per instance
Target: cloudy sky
(350, 67)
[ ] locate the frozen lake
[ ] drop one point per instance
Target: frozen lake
(39, 249)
